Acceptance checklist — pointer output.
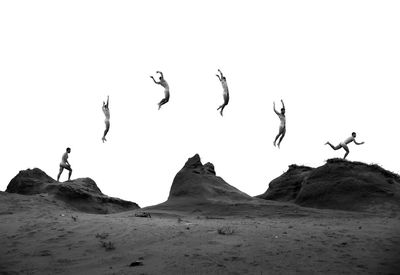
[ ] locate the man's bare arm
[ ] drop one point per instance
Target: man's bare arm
(276, 112)
(359, 143)
(108, 99)
(218, 77)
(283, 104)
(154, 80)
(160, 74)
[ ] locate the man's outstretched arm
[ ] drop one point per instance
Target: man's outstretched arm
(276, 112)
(154, 80)
(108, 99)
(218, 77)
(359, 143)
(283, 104)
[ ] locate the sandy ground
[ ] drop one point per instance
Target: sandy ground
(39, 235)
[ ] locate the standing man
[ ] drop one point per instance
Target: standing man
(106, 112)
(282, 126)
(343, 144)
(65, 164)
(163, 83)
(222, 79)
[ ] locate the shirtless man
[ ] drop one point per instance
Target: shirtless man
(344, 144)
(282, 127)
(222, 78)
(65, 164)
(106, 112)
(163, 83)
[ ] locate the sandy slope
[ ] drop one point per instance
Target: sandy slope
(39, 236)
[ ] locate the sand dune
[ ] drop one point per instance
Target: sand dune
(339, 184)
(79, 194)
(197, 184)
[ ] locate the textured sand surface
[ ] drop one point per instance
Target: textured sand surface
(40, 235)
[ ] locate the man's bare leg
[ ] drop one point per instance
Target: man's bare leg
(280, 140)
(222, 109)
(278, 135)
(106, 131)
(334, 147)
(276, 138)
(162, 102)
(59, 174)
(347, 151)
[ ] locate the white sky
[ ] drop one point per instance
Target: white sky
(336, 64)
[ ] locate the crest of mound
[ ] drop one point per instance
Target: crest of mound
(339, 184)
(196, 182)
(287, 186)
(80, 194)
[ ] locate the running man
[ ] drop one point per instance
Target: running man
(222, 79)
(163, 83)
(282, 127)
(106, 112)
(344, 144)
(65, 164)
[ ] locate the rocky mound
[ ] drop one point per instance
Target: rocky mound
(339, 184)
(81, 194)
(287, 186)
(198, 183)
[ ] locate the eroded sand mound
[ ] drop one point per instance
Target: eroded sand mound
(339, 184)
(81, 194)
(197, 183)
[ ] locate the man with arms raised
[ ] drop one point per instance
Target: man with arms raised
(222, 79)
(163, 83)
(106, 112)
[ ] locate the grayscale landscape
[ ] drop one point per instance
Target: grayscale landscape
(341, 218)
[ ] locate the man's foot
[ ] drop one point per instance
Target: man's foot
(275, 143)
(103, 139)
(326, 143)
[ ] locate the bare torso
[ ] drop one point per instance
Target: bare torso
(283, 120)
(64, 159)
(348, 140)
(106, 112)
(166, 87)
(225, 87)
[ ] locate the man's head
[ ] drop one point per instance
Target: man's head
(353, 134)
(283, 111)
(68, 150)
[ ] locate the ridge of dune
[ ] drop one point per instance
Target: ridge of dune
(196, 183)
(80, 194)
(339, 184)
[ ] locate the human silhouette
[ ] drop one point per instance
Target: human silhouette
(65, 164)
(222, 79)
(106, 112)
(163, 83)
(343, 144)
(282, 126)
